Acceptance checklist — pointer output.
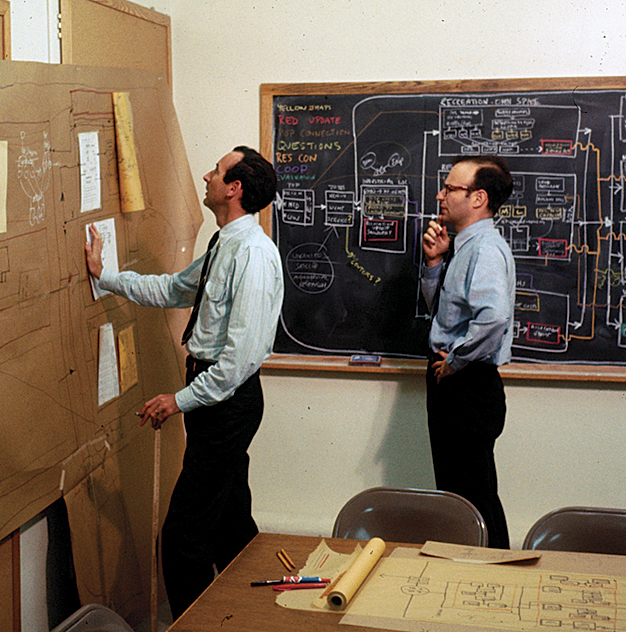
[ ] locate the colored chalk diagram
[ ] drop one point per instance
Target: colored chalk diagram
(358, 176)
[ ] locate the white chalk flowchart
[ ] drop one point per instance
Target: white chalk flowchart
(359, 196)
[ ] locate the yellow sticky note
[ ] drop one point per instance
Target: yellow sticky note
(128, 358)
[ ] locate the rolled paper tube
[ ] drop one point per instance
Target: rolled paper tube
(340, 595)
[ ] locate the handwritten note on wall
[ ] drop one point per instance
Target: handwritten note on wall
(108, 376)
(89, 171)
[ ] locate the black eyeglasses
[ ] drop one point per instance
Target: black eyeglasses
(450, 188)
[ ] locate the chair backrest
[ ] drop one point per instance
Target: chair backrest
(411, 515)
(96, 618)
(581, 529)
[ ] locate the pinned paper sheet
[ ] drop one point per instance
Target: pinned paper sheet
(127, 165)
(89, 171)
(108, 380)
(106, 228)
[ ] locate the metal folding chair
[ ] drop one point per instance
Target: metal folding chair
(411, 515)
(94, 618)
(581, 529)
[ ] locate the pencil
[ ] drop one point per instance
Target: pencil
(288, 558)
(281, 556)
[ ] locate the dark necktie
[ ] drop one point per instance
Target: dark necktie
(201, 285)
(446, 263)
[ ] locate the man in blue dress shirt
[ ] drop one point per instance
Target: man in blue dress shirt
(236, 290)
(471, 334)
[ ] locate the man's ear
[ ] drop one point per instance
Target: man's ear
(481, 197)
(234, 189)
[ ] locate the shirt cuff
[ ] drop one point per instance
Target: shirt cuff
(455, 362)
(184, 400)
(433, 272)
(107, 279)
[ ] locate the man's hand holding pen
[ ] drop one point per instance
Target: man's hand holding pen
(158, 409)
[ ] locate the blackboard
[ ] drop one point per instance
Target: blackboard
(359, 166)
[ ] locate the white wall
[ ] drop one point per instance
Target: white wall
(325, 437)
(34, 31)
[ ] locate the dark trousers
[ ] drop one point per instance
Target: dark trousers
(466, 412)
(209, 520)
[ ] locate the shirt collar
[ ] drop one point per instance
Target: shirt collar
(237, 225)
(470, 231)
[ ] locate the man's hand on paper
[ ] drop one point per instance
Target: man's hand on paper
(93, 251)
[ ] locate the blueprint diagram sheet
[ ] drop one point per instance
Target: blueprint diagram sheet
(358, 175)
(421, 593)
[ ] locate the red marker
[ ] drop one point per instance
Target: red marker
(282, 587)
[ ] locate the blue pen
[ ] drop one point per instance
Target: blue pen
(292, 579)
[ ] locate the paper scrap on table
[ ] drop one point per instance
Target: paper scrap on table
(324, 562)
(90, 179)
(475, 554)
(108, 380)
(4, 167)
(106, 228)
(131, 194)
(128, 358)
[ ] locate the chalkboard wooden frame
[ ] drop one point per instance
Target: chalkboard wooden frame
(539, 371)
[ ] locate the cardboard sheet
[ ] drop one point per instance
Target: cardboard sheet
(50, 322)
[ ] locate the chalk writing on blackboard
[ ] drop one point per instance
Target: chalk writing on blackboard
(358, 175)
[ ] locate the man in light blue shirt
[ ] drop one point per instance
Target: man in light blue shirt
(236, 290)
(472, 304)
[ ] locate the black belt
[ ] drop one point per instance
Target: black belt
(198, 366)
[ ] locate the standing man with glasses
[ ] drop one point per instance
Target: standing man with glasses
(472, 303)
(236, 290)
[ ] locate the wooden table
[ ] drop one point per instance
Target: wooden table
(230, 604)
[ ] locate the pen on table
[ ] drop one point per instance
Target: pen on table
(292, 579)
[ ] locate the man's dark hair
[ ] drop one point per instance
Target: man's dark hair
(493, 176)
(257, 177)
